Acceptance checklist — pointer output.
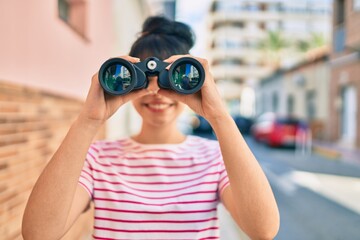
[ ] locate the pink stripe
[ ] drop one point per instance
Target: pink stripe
(212, 237)
(86, 179)
(120, 149)
(222, 171)
(155, 221)
(225, 184)
(130, 193)
(155, 231)
(102, 238)
(173, 182)
(86, 172)
(94, 148)
(154, 212)
(158, 174)
(222, 179)
(153, 165)
(88, 190)
(91, 155)
(154, 204)
(87, 164)
(123, 142)
(117, 156)
(162, 150)
(145, 190)
(96, 237)
(111, 156)
(168, 151)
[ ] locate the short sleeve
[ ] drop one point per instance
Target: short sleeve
(86, 179)
(223, 178)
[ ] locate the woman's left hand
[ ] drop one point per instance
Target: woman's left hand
(207, 101)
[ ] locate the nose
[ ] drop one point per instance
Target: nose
(153, 85)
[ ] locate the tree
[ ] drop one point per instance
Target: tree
(273, 46)
(317, 40)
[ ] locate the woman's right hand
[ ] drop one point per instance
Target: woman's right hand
(99, 106)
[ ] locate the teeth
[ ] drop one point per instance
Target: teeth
(158, 106)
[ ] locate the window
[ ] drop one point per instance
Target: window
(73, 12)
(290, 105)
(311, 104)
(356, 5)
(275, 102)
(340, 12)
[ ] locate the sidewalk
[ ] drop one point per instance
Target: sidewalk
(336, 151)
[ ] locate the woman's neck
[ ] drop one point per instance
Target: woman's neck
(159, 135)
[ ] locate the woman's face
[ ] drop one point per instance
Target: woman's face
(157, 110)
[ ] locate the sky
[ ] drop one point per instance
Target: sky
(195, 13)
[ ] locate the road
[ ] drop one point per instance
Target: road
(318, 198)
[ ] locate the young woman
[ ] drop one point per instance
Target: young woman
(158, 184)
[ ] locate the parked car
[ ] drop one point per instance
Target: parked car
(277, 130)
(243, 123)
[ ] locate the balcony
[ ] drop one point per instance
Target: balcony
(266, 16)
(247, 55)
(245, 16)
(228, 72)
(237, 33)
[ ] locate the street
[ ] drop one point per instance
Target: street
(318, 198)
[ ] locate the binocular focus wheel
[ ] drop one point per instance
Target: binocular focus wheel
(151, 65)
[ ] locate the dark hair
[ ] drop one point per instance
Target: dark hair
(162, 38)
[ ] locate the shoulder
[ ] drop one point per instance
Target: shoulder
(100, 148)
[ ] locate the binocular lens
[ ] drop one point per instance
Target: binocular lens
(117, 77)
(186, 77)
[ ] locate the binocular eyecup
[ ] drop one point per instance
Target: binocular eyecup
(118, 76)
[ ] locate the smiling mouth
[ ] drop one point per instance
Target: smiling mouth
(157, 107)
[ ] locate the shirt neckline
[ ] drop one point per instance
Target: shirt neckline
(159, 145)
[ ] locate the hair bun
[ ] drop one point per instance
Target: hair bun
(159, 25)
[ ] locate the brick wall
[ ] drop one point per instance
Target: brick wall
(352, 73)
(33, 123)
(352, 26)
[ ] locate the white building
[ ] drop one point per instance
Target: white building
(240, 27)
(301, 91)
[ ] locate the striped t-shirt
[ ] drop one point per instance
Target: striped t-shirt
(155, 191)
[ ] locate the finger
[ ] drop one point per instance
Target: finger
(130, 58)
(173, 58)
(95, 88)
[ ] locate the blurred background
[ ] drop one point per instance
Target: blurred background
(288, 71)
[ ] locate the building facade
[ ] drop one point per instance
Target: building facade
(301, 91)
(49, 52)
(251, 39)
(345, 82)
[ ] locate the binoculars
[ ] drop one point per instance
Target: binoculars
(118, 76)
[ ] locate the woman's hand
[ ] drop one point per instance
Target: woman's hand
(99, 106)
(206, 102)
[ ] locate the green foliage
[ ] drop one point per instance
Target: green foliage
(316, 40)
(274, 41)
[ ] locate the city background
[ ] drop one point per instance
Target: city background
(288, 71)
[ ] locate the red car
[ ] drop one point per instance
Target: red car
(277, 131)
